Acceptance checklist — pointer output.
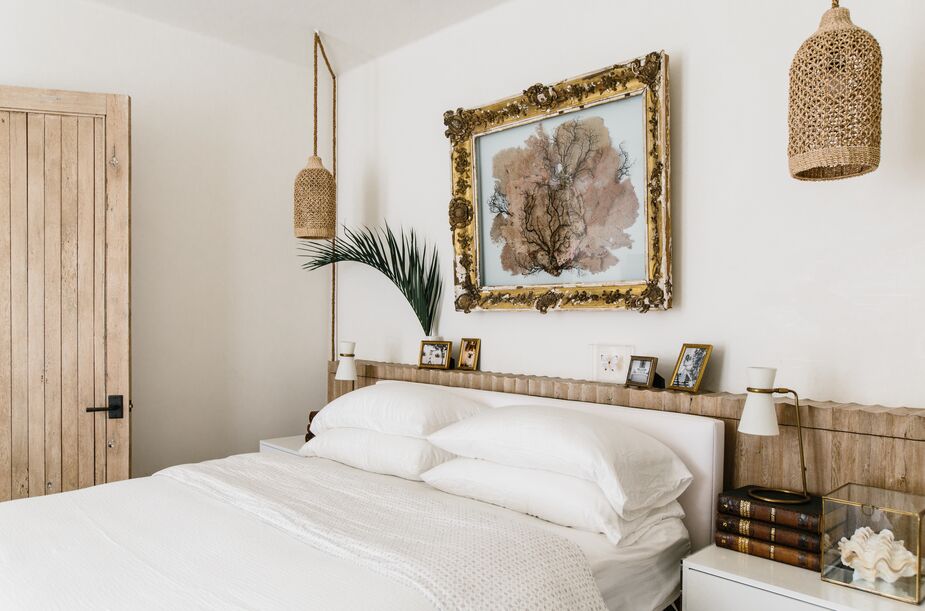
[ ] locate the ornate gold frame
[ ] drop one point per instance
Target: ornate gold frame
(648, 76)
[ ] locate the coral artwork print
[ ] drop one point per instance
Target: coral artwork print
(563, 201)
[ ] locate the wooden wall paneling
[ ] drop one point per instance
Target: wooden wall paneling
(52, 431)
(6, 465)
(86, 373)
(35, 146)
(19, 307)
(118, 281)
(875, 445)
(100, 419)
(70, 404)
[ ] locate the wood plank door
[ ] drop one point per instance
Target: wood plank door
(64, 290)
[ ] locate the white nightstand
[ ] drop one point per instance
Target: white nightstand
(717, 579)
(283, 445)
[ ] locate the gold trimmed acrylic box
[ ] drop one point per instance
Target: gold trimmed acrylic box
(872, 540)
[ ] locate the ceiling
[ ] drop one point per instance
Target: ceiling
(354, 31)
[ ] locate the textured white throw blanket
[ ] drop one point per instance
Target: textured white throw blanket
(460, 555)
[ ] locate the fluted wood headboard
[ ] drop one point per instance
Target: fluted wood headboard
(845, 442)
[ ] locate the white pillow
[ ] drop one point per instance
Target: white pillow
(414, 410)
(635, 472)
(561, 499)
(405, 457)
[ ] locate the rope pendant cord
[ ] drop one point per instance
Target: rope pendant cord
(315, 94)
(319, 45)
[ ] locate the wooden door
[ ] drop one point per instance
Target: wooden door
(64, 289)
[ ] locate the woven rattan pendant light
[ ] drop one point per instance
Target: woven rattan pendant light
(835, 106)
(315, 193)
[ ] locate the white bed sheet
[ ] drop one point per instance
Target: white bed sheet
(155, 543)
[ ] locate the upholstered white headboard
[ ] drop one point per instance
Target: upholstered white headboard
(697, 440)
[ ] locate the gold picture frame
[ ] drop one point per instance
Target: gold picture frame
(463, 362)
(653, 366)
(693, 359)
(440, 346)
(646, 77)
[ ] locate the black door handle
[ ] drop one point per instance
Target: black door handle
(115, 407)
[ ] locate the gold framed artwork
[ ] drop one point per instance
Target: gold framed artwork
(642, 371)
(469, 349)
(692, 363)
(561, 195)
(435, 354)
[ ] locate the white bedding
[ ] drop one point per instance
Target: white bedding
(158, 543)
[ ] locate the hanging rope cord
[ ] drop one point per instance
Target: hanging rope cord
(319, 45)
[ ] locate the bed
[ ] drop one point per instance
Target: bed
(268, 531)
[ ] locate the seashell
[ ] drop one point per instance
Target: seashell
(877, 556)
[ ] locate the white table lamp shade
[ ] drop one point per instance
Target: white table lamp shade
(759, 416)
(346, 366)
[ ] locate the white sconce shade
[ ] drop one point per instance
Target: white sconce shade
(759, 416)
(346, 366)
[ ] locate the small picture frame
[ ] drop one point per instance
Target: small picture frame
(435, 354)
(469, 354)
(642, 371)
(610, 362)
(688, 371)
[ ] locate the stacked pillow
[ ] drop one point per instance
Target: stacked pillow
(565, 466)
(384, 428)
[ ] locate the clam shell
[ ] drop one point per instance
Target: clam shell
(877, 556)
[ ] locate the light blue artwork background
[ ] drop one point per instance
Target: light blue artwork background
(624, 120)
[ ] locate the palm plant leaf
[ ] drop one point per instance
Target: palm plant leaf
(407, 262)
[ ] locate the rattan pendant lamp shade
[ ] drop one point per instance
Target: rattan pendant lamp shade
(835, 106)
(315, 192)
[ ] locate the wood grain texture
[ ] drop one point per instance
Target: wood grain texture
(100, 419)
(86, 217)
(19, 312)
(35, 179)
(6, 400)
(52, 304)
(118, 276)
(52, 101)
(70, 406)
(865, 444)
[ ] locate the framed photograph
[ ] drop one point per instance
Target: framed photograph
(469, 353)
(610, 362)
(561, 194)
(642, 371)
(435, 355)
(688, 371)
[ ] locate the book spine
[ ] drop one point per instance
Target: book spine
(767, 513)
(771, 551)
(768, 532)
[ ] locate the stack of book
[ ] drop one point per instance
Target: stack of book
(777, 531)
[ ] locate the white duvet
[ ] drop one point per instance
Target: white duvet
(201, 538)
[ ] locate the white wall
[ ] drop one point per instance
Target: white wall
(823, 281)
(228, 332)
